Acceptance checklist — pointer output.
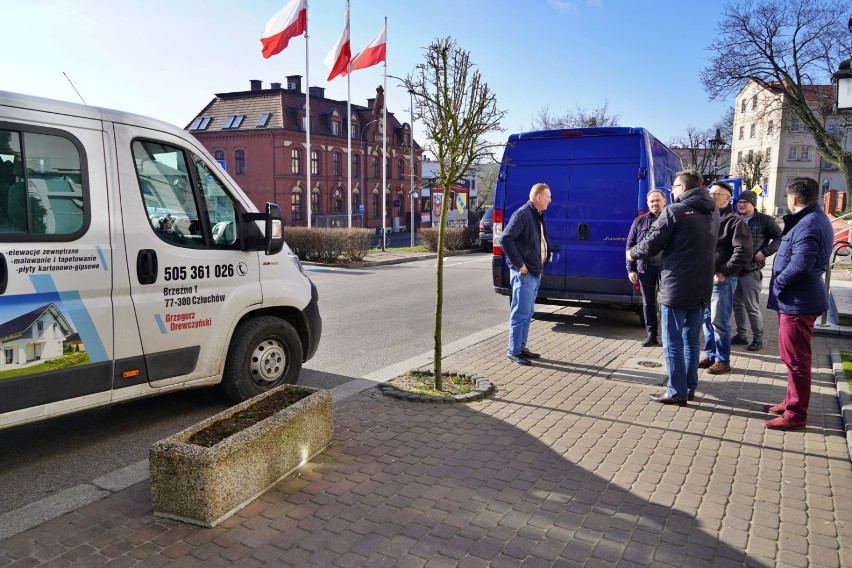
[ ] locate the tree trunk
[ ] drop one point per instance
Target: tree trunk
(439, 304)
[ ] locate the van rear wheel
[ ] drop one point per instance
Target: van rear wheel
(265, 352)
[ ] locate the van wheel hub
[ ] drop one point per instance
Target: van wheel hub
(268, 362)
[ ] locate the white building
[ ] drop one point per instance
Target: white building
(764, 123)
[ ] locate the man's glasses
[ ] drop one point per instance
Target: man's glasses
(717, 194)
(678, 185)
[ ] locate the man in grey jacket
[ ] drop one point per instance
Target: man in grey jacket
(686, 233)
(766, 238)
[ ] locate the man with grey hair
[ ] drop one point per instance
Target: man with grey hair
(686, 234)
(647, 272)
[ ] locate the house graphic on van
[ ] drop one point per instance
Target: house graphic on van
(35, 337)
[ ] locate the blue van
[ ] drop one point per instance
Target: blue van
(599, 179)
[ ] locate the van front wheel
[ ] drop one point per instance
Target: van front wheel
(265, 352)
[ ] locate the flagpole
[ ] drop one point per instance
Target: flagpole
(385, 141)
(349, 118)
(308, 116)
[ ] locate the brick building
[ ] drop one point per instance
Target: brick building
(259, 137)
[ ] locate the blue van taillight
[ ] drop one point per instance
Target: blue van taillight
(497, 229)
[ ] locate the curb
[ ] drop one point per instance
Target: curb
(414, 256)
(843, 397)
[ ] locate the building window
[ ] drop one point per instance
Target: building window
(739, 157)
(743, 106)
(314, 162)
(200, 123)
(315, 203)
(264, 119)
(240, 162)
(388, 166)
(768, 155)
(40, 327)
(375, 204)
(795, 125)
(234, 121)
(10, 356)
(296, 206)
(335, 128)
(338, 206)
(375, 160)
(750, 153)
(400, 169)
(770, 127)
(806, 154)
(335, 163)
(754, 102)
(742, 132)
(296, 161)
(794, 150)
(219, 155)
(356, 166)
(831, 128)
(356, 201)
(752, 131)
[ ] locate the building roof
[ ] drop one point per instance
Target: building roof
(283, 106)
(16, 327)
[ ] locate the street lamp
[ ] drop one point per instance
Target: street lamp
(411, 191)
(715, 143)
(364, 176)
(842, 83)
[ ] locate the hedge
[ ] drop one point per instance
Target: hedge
(328, 245)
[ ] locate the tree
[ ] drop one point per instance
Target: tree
(704, 147)
(580, 117)
(486, 184)
(787, 45)
(458, 109)
(752, 168)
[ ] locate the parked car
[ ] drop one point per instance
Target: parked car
(486, 229)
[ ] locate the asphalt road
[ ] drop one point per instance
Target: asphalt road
(372, 318)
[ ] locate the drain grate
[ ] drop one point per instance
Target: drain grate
(641, 370)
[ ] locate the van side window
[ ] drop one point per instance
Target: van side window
(167, 191)
(221, 209)
(41, 185)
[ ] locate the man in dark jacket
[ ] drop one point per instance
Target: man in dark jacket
(765, 238)
(525, 246)
(686, 233)
(733, 251)
(647, 272)
(797, 292)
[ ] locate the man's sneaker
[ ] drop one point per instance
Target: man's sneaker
(755, 345)
(705, 363)
(784, 423)
(718, 368)
(650, 341)
(527, 354)
(519, 360)
(739, 340)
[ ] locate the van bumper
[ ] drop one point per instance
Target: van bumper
(313, 322)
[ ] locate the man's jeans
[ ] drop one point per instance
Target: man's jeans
(524, 291)
(717, 321)
(747, 304)
(681, 347)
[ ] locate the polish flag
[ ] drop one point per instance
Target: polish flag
(340, 55)
(374, 53)
(291, 21)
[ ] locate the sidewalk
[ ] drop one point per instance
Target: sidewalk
(567, 464)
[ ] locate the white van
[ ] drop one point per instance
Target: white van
(131, 264)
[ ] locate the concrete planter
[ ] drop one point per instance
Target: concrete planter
(205, 486)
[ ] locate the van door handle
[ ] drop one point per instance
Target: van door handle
(146, 266)
(583, 231)
(4, 274)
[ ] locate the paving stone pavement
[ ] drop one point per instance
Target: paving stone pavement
(565, 465)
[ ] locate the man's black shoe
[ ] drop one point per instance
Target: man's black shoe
(690, 396)
(519, 360)
(651, 341)
(739, 340)
(527, 354)
(755, 345)
(666, 399)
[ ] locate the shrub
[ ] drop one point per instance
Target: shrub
(454, 238)
(328, 245)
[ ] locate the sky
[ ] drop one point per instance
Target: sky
(168, 58)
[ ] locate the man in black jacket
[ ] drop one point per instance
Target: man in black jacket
(686, 233)
(766, 238)
(524, 242)
(733, 251)
(647, 272)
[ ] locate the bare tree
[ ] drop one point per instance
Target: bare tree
(752, 169)
(486, 184)
(580, 117)
(703, 148)
(787, 45)
(458, 109)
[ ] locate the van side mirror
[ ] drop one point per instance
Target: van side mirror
(274, 233)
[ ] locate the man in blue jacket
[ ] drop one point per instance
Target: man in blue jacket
(647, 272)
(525, 245)
(686, 233)
(797, 292)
